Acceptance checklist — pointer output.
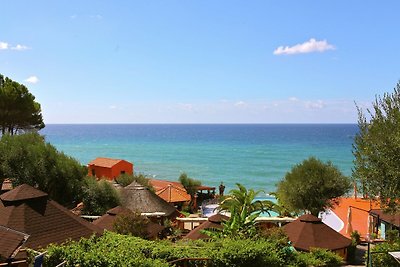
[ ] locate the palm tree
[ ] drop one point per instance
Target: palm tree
(244, 209)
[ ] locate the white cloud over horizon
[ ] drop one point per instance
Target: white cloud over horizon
(3, 45)
(309, 46)
(32, 79)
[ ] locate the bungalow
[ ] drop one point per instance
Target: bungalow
(382, 221)
(109, 168)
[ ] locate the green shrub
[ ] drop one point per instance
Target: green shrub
(380, 256)
(99, 196)
(126, 179)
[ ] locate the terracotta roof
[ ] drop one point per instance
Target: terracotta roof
(214, 221)
(160, 184)
(139, 198)
(387, 217)
(44, 220)
(173, 194)
(22, 192)
(107, 221)
(6, 185)
(10, 242)
(308, 231)
(359, 213)
(204, 187)
(105, 162)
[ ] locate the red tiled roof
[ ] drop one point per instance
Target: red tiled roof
(173, 194)
(105, 162)
(212, 222)
(310, 232)
(10, 242)
(44, 220)
(22, 192)
(160, 184)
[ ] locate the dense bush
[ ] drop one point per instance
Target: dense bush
(99, 196)
(118, 250)
(126, 179)
(380, 256)
(131, 223)
(27, 158)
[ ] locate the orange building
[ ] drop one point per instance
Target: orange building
(109, 168)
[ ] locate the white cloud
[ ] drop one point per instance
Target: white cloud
(310, 46)
(188, 107)
(20, 47)
(3, 46)
(240, 104)
(32, 79)
(293, 99)
(319, 104)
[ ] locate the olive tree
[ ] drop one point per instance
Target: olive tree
(311, 186)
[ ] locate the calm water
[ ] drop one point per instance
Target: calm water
(257, 156)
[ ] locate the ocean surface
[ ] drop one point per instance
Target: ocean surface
(255, 155)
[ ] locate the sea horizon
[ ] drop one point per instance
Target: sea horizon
(256, 155)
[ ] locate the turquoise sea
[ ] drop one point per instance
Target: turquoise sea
(256, 155)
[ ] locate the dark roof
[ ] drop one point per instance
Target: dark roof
(393, 219)
(107, 221)
(106, 162)
(10, 242)
(139, 198)
(22, 192)
(44, 220)
(309, 231)
(214, 221)
(6, 185)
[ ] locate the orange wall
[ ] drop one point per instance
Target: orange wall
(113, 172)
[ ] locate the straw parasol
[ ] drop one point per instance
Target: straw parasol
(139, 198)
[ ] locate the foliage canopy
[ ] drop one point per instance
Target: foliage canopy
(376, 149)
(189, 184)
(131, 223)
(311, 186)
(18, 109)
(27, 158)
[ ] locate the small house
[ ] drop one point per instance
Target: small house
(109, 168)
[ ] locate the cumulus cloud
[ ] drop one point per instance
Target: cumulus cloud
(310, 46)
(184, 106)
(32, 79)
(4, 45)
(293, 99)
(240, 104)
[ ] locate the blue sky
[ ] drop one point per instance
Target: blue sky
(201, 61)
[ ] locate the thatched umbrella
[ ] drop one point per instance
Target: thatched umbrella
(140, 199)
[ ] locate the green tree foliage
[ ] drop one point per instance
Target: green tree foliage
(311, 186)
(244, 209)
(189, 184)
(99, 196)
(380, 256)
(131, 223)
(126, 179)
(27, 158)
(118, 250)
(18, 109)
(377, 148)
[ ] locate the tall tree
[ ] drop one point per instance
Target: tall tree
(376, 149)
(311, 186)
(18, 109)
(189, 184)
